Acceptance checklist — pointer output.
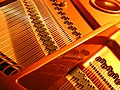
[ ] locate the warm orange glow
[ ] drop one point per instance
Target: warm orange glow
(2, 1)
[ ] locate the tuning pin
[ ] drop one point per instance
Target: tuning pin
(51, 47)
(102, 61)
(73, 78)
(34, 17)
(109, 68)
(45, 38)
(107, 83)
(48, 42)
(98, 72)
(61, 13)
(89, 85)
(98, 58)
(100, 75)
(86, 80)
(43, 33)
(63, 4)
(117, 81)
(104, 66)
(110, 73)
(94, 68)
(36, 21)
(90, 64)
(76, 84)
(41, 29)
(65, 17)
(116, 76)
(81, 86)
(39, 25)
(58, 8)
(68, 22)
(112, 88)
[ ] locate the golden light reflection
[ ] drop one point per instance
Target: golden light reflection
(108, 4)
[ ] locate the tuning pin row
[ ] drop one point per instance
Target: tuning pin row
(108, 68)
(59, 8)
(99, 59)
(117, 81)
(40, 27)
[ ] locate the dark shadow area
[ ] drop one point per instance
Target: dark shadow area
(5, 2)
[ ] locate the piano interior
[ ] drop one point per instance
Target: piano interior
(59, 45)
